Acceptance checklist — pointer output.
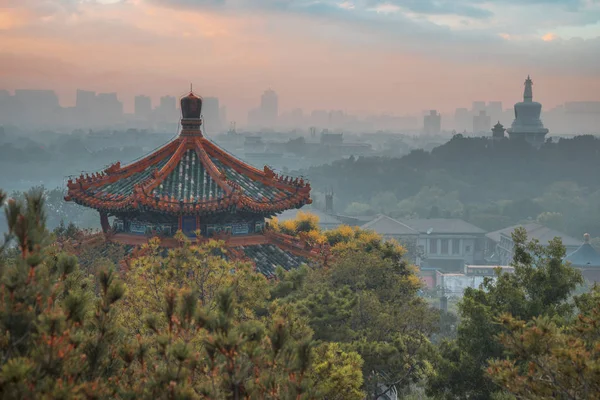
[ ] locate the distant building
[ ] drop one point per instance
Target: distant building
(500, 246)
(432, 123)
(85, 100)
(462, 120)
(454, 285)
(167, 109)
(586, 259)
(212, 119)
(527, 124)
(498, 131)
(482, 123)
(143, 107)
(223, 116)
(478, 106)
(269, 108)
(494, 110)
(109, 106)
(331, 139)
(582, 107)
(36, 106)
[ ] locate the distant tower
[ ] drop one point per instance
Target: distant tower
(211, 117)
(143, 107)
(329, 202)
(269, 108)
(482, 123)
(498, 131)
(527, 124)
(432, 123)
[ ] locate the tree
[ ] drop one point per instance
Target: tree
(200, 268)
(56, 336)
(207, 332)
(540, 286)
(366, 300)
(549, 362)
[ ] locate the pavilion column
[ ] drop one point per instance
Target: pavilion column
(104, 222)
(197, 222)
(180, 223)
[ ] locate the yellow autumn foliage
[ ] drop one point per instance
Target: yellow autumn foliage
(199, 268)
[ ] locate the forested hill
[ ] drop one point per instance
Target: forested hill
(490, 183)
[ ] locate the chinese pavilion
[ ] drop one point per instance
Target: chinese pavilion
(192, 185)
(586, 259)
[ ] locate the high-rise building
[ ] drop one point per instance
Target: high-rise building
(108, 106)
(167, 109)
(85, 101)
(223, 116)
(143, 107)
(478, 106)
(462, 120)
(269, 108)
(210, 111)
(494, 110)
(482, 123)
(432, 123)
(527, 124)
(36, 106)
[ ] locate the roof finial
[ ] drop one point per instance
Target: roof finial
(528, 93)
(191, 88)
(586, 238)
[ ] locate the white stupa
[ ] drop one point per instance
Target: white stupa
(527, 124)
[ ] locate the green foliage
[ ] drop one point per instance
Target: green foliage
(57, 335)
(491, 186)
(366, 300)
(541, 286)
(337, 373)
(187, 324)
(550, 362)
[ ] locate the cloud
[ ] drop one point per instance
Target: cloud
(548, 37)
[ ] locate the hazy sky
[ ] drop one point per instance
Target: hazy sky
(398, 56)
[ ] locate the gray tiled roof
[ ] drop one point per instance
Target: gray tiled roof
(385, 225)
(443, 226)
(190, 181)
(535, 231)
(268, 257)
(125, 186)
(254, 189)
(584, 256)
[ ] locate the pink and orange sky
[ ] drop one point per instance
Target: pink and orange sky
(365, 56)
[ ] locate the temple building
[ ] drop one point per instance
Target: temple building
(527, 124)
(192, 185)
(586, 259)
(498, 131)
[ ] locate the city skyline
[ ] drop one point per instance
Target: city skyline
(42, 108)
(381, 56)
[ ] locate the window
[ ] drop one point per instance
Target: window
(433, 246)
(467, 249)
(455, 246)
(444, 246)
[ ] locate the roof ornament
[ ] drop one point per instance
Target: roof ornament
(586, 238)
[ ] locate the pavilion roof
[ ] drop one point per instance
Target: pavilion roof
(584, 256)
(189, 175)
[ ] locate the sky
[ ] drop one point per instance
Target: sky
(361, 56)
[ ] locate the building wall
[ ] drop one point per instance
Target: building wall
(454, 285)
(504, 250)
(448, 247)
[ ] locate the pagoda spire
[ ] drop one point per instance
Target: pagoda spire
(528, 93)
